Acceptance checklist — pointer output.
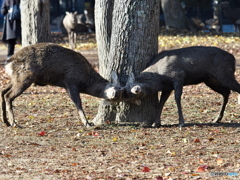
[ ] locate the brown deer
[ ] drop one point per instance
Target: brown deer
(77, 23)
(173, 69)
(50, 64)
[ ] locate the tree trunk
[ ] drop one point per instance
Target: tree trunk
(127, 37)
(217, 14)
(35, 20)
(174, 14)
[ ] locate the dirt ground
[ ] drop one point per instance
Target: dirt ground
(54, 145)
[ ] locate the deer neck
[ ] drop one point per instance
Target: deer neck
(150, 82)
(97, 88)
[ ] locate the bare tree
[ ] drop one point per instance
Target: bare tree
(35, 19)
(127, 37)
(174, 14)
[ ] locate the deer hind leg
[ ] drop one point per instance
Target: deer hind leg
(164, 96)
(3, 105)
(16, 89)
(75, 97)
(224, 91)
(178, 87)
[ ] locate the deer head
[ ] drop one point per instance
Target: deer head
(113, 91)
(133, 91)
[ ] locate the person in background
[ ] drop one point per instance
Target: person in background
(11, 28)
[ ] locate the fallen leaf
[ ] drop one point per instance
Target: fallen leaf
(194, 174)
(159, 178)
(74, 164)
(167, 174)
(197, 140)
(42, 133)
(172, 153)
(7, 155)
(107, 122)
(115, 139)
(96, 134)
(202, 168)
(215, 155)
(211, 139)
(146, 169)
(219, 161)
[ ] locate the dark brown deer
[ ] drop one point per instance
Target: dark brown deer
(171, 70)
(50, 64)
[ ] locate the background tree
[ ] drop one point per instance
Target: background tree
(35, 19)
(217, 16)
(174, 14)
(127, 37)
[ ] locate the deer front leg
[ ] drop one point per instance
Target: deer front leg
(71, 41)
(75, 96)
(164, 96)
(74, 39)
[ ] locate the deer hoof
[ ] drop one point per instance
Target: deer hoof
(181, 125)
(216, 121)
(17, 126)
(89, 125)
(156, 125)
(7, 123)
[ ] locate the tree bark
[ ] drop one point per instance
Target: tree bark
(174, 14)
(35, 19)
(127, 37)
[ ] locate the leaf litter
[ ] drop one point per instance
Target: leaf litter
(54, 145)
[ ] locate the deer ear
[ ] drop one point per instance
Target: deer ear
(67, 12)
(131, 78)
(115, 79)
(75, 13)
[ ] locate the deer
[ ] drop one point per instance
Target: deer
(70, 23)
(171, 70)
(51, 64)
(87, 19)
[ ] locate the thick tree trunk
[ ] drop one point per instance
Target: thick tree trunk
(174, 14)
(127, 37)
(35, 19)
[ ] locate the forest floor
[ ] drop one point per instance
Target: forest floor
(54, 145)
